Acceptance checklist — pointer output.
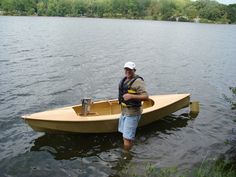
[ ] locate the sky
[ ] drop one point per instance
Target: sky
(227, 1)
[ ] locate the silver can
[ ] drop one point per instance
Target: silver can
(86, 103)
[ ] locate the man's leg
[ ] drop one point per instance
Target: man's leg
(130, 126)
(128, 144)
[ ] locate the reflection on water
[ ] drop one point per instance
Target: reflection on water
(166, 126)
(83, 146)
(68, 146)
(173, 122)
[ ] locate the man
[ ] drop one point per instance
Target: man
(131, 94)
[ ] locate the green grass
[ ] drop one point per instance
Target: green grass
(205, 169)
(215, 169)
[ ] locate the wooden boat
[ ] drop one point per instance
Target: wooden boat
(104, 115)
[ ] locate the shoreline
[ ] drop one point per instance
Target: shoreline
(122, 18)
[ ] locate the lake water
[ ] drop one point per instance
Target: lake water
(51, 62)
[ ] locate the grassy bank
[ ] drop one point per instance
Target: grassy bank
(206, 169)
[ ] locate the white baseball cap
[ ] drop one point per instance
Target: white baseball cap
(129, 65)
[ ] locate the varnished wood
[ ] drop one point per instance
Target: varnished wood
(104, 115)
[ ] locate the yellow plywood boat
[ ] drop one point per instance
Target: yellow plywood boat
(104, 115)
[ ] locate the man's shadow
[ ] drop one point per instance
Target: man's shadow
(69, 146)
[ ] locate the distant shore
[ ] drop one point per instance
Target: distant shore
(199, 11)
(203, 21)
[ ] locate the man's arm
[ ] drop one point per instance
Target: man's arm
(141, 95)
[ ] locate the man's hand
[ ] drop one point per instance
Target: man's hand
(127, 96)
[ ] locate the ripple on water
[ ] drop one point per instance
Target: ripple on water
(4, 61)
(60, 92)
(22, 51)
(29, 59)
(15, 138)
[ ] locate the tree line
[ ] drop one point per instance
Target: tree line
(207, 11)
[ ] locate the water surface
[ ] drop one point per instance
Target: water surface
(51, 62)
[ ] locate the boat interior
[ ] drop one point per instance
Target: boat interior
(108, 107)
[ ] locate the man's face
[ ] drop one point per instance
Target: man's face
(129, 73)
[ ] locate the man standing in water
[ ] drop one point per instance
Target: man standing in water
(131, 94)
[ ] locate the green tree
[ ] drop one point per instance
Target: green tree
(212, 11)
(79, 8)
(8, 5)
(25, 7)
(107, 8)
(52, 8)
(133, 8)
(120, 8)
(64, 7)
(41, 8)
(167, 9)
(191, 11)
(231, 13)
(153, 9)
(180, 6)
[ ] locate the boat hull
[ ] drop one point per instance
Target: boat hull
(162, 107)
(105, 126)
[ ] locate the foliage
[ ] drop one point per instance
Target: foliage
(231, 12)
(231, 99)
(207, 168)
(215, 169)
(207, 10)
